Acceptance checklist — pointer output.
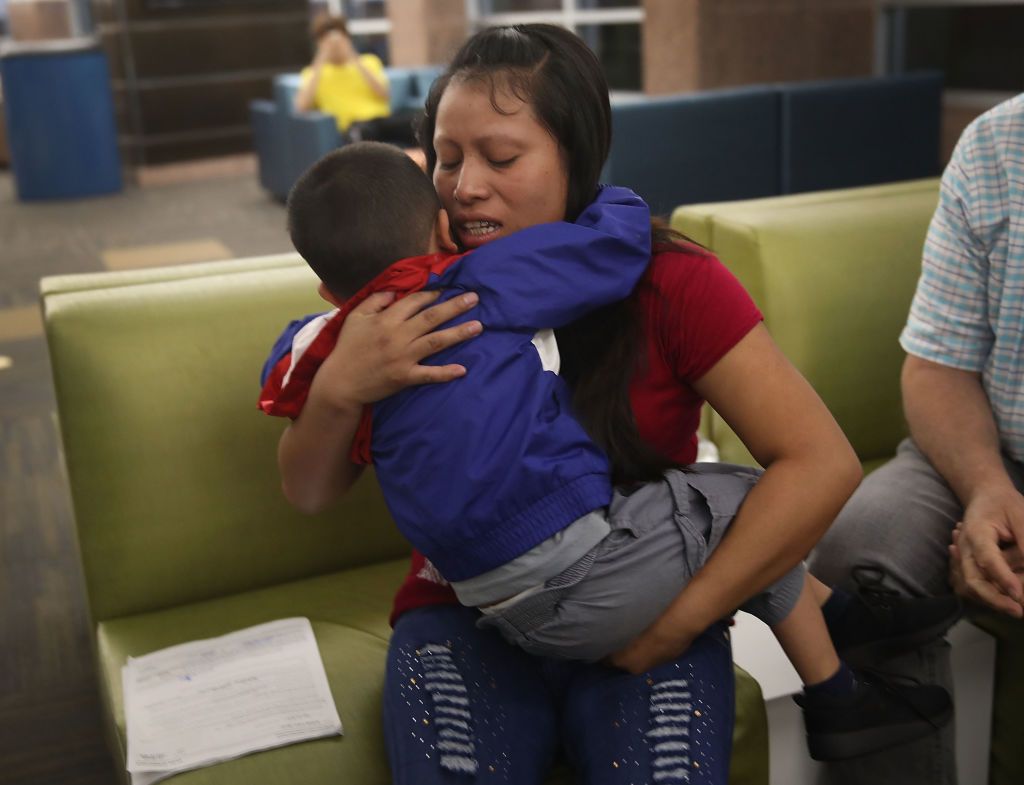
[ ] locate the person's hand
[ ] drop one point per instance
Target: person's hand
(1013, 554)
(346, 49)
(986, 554)
(659, 643)
(382, 342)
(323, 52)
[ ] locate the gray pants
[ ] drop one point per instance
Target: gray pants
(661, 534)
(901, 520)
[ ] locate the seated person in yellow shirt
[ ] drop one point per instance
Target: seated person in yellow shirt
(351, 87)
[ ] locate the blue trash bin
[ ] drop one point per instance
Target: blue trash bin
(60, 119)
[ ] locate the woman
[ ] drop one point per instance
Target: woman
(516, 133)
(351, 87)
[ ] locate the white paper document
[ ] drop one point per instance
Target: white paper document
(211, 700)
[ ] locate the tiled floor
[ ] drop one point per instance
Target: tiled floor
(206, 249)
(19, 323)
(50, 728)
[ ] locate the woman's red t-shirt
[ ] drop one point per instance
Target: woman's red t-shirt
(695, 311)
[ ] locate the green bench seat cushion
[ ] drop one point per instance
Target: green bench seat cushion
(349, 612)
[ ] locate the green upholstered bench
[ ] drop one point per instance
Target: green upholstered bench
(834, 273)
(183, 531)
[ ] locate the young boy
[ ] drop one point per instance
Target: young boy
(493, 479)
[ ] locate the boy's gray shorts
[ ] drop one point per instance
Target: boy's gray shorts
(661, 534)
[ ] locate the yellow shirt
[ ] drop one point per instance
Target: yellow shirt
(343, 92)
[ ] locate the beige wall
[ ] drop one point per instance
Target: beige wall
(35, 20)
(701, 44)
(671, 52)
(425, 32)
(959, 109)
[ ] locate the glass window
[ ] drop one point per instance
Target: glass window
(612, 28)
(515, 6)
(374, 43)
(588, 4)
(978, 48)
(365, 9)
(512, 6)
(618, 49)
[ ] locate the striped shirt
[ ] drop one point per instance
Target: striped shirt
(968, 311)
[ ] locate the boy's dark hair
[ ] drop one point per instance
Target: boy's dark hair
(359, 209)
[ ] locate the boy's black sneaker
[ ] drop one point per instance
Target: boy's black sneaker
(881, 713)
(879, 623)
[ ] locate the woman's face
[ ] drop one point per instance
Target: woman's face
(497, 172)
(336, 47)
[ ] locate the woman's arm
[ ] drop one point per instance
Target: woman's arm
(306, 95)
(810, 472)
(378, 85)
(377, 354)
(305, 98)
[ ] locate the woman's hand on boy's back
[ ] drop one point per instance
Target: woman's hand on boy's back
(378, 353)
(382, 342)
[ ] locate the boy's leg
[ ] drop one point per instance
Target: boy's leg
(900, 521)
(805, 639)
(876, 623)
(460, 704)
(821, 592)
(661, 533)
(604, 601)
(848, 715)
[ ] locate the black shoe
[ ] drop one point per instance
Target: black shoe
(881, 713)
(880, 623)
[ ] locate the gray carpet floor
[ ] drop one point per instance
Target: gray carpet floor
(46, 238)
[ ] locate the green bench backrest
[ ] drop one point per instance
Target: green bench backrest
(172, 467)
(834, 273)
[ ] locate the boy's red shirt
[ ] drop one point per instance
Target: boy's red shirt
(287, 385)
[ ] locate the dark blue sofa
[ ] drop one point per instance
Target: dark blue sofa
(288, 142)
(709, 146)
(776, 139)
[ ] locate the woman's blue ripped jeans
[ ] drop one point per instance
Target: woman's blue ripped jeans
(463, 706)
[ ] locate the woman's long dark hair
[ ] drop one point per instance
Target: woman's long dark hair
(553, 70)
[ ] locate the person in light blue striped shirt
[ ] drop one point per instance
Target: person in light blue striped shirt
(948, 510)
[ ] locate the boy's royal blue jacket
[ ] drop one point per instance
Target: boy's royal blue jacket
(479, 470)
